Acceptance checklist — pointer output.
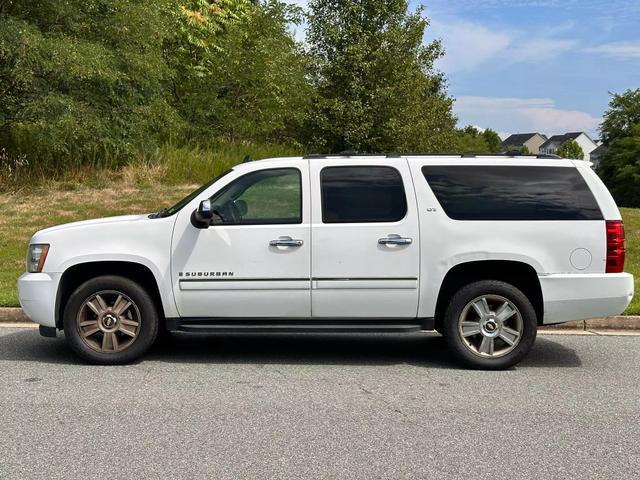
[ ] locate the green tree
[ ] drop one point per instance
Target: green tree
(470, 140)
(570, 149)
(83, 78)
(621, 117)
(377, 88)
(620, 168)
(253, 84)
(620, 131)
(494, 144)
(525, 150)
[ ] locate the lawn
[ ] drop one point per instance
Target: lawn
(23, 212)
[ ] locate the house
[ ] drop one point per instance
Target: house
(596, 155)
(518, 140)
(581, 138)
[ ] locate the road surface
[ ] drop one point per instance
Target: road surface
(319, 406)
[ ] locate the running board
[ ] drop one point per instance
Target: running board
(226, 325)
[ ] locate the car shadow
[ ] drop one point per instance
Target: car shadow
(419, 349)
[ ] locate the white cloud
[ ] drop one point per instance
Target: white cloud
(514, 115)
(539, 49)
(469, 46)
(617, 49)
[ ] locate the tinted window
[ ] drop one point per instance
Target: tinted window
(263, 197)
(362, 194)
(512, 193)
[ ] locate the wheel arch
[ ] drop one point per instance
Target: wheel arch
(519, 274)
(77, 274)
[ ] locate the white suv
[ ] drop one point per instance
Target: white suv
(483, 249)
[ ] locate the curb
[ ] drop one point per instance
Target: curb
(13, 315)
(619, 322)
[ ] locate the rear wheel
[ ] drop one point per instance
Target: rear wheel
(490, 325)
(110, 320)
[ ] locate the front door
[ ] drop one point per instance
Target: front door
(254, 260)
(366, 249)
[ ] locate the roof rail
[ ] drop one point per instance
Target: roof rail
(430, 154)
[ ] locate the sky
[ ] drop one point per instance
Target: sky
(535, 65)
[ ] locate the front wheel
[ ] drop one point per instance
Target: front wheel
(490, 325)
(110, 320)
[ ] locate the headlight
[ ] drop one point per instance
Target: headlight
(36, 255)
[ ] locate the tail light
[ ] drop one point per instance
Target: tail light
(615, 246)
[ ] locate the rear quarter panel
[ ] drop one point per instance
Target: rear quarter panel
(544, 245)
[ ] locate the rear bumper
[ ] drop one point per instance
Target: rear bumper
(37, 293)
(579, 297)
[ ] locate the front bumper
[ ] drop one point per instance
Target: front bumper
(37, 293)
(580, 297)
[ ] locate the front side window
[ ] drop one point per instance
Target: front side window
(487, 192)
(264, 197)
(361, 194)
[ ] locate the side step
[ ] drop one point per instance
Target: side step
(226, 325)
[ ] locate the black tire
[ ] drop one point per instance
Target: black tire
(462, 347)
(147, 328)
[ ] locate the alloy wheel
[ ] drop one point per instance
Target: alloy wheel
(490, 326)
(108, 321)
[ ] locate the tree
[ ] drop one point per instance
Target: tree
(470, 140)
(570, 149)
(620, 132)
(82, 79)
(252, 85)
(620, 168)
(621, 117)
(525, 150)
(377, 88)
(494, 144)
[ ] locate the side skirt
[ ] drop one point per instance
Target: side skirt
(299, 325)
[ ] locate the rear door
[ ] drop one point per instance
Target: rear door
(365, 239)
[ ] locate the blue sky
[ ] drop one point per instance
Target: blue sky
(535, 65)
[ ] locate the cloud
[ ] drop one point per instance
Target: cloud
(539, 49)
(470, 46)
(467, 44)
(506, 114)
(617, 49)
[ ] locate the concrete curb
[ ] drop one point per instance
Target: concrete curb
(13, 315)
(620, 322)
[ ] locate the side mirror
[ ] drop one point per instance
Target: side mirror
(202, 216)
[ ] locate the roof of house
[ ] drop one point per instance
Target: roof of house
(560, 139)
(519, 139)
(599, 151)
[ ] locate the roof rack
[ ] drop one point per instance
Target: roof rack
(430, 154)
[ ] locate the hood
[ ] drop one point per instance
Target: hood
(94, 222)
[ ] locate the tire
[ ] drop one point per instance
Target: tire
(482, 333)
(102, 328)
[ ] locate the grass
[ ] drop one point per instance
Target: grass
(631, 218)
(147, 186)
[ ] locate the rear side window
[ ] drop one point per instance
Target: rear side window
(362, 194)
(512, 193)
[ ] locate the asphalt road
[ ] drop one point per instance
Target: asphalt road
(342, 407)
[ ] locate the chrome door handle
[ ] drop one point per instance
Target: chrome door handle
(395, 239)
(286, 242)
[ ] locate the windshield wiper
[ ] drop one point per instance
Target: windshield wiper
(159, 214)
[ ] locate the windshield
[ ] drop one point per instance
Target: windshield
(166, 212)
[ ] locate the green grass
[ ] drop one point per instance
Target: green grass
(631, 218)
(23, 213)
(144, 188)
